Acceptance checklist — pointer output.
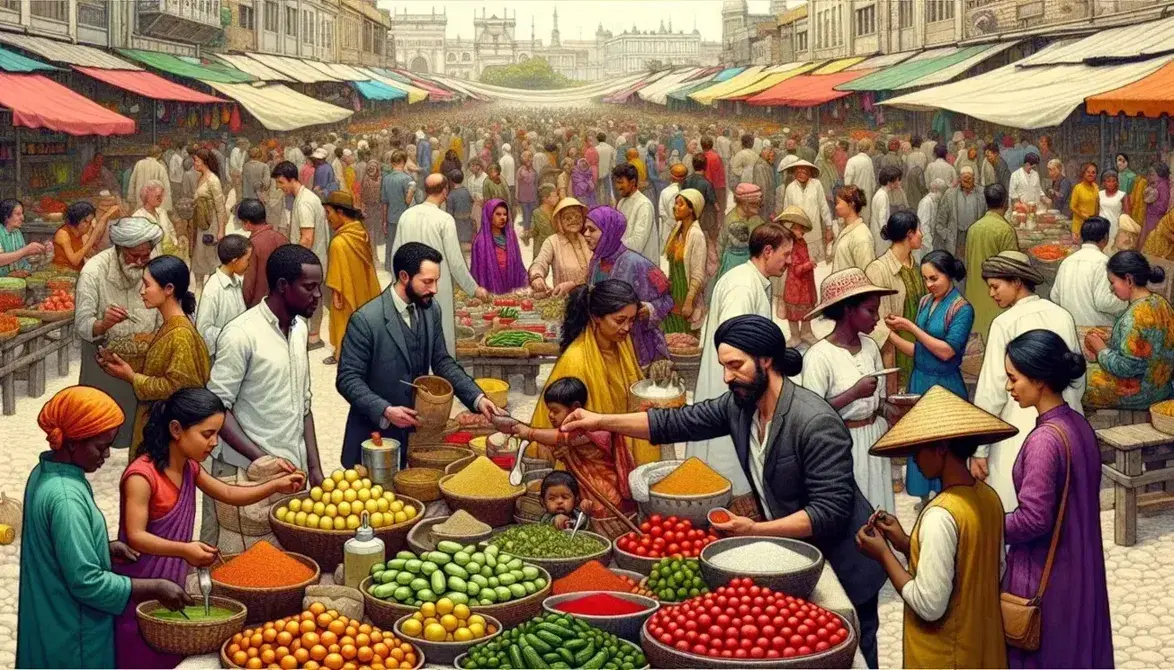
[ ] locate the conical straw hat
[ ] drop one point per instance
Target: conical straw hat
(941, 416)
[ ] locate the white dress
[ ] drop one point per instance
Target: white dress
(1111, 206)
(829, 370)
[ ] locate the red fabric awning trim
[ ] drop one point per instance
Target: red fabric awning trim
(435, 93)
(148, 85)
(806, 90)
(39, 102)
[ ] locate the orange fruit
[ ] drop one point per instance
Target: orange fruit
(293, 627)
(311, 665)
(349, 666)
(240, 658)
(301, 655)
(269, 635)
(366, 628)
(281, 652)
(268, 656)
(254, 664)
(232, 649)
(329, 638)
(362, 640)
(317, 608)
(352, 631)
(308, 616)
(318, 652)
(333, 661)
(348, 651)
(236, 639)
(380, 649)
(337, 627)
(324, 620)
(333, 613)
(296, 644)
(334, 649)
(366, 654)
(288, 663)
(308, 626)
(256, 640)
(252, 652)
(396, 654)
(376, 635)
(267, 626)
(344, 641)
(310, 639)
(284, 638)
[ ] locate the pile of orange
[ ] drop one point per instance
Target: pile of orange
(320, 638)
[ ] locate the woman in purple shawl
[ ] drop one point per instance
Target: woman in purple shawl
(158, 511)
(1076, 631)
(604, 232)
(497, 258)
(582, 184)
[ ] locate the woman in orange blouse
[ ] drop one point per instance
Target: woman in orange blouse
(74, 240)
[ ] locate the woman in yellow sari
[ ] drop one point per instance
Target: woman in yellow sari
(177, 357)
(597, 349)
(1085, 199)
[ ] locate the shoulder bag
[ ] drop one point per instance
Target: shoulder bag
(1021, 616)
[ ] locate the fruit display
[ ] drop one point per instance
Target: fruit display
(682, 342)
(554, 641)
(462, 574)
(58, 301)
(676, 579)
(1050, 253)
(540, 540)
(744, 621)
(666, 536)
(8, 325)
(319, 638)
(511, 338)
(340, 500)
(446, 621)
(12, 293)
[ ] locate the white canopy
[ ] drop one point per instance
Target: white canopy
(281, 108)
(558, 96)
(669, 81)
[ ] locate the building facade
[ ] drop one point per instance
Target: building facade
(634, 51)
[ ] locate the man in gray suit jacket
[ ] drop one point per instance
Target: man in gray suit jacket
(393, 339)
(793, 446)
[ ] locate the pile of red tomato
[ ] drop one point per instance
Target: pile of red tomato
(746, 621)
(666, 536)
(59, 301)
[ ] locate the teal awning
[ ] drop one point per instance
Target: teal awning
(374, 90)
(182, 68)
(10, 61)
(911, 70)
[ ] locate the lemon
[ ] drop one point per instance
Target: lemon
(444, 606)
(476, 630)
(350, 475)
(339, 523)
(382, 505)
(473, 618)
(327, 486)
(412, 628)
(319, 508)
(295, 505)
(418, 616)
(336, 496)
(396, 505)
(449, 622)
(435, 633)
(299, 519)
(428, 609)
(400, 517)
(343, 485)
(361, 469)
(281, 512)
(312, 520)
(337, 476)
(461, 611)
(366, 483)
(332, 510)
(350, 495)
(326, 523)
(307, 504)
(371, 507)
(389, 496)
(344, 508)
(352, 521)
(430, 620)
(376, 491)
(364, 494)
(409, 511)
(376, 520)
(316, 493)
(462, 635)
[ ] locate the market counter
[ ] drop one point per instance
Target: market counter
(39, 230)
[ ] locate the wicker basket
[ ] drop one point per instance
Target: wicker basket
(493, 511)
(325, 546)
(269, 603)
(433, 402)
(382, 613)
(226, 662)
(1162, 417)
(561, 567)
(685, 352)
(443, 653)
(503, 352)
(543, 348)
(510, 613)
(419, 483)
(189, 638)
(44, 315)
(611, 527)
(459, 464)
(437, 457)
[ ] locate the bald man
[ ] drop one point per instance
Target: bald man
(429, 224)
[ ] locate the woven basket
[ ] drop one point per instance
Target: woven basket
(510, 613)
(611, 527)
(433, 402)
(543, 348)
(685, 352)
(325, 546)
(561, 567)
(189, 638)
(382, 613)
(503, 352)
(269, 603)
(8, 335)
(459, 464)
(493, 511)
(419, 483)
(437, 457)
(1163, 423)
(443, 653)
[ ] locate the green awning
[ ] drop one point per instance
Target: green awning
(180, 67)
(911, 70)
(10, 61)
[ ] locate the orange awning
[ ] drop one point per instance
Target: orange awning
(807, 90)
(1149, 96)
(39, 102)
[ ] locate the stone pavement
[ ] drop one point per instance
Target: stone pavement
(1141, 585)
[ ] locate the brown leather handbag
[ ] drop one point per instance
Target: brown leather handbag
(1021, 616)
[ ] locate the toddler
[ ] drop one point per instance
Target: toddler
(560, 497)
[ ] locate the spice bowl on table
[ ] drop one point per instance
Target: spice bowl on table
(782, 564)
(482, 489)
(270, 582)
(689, 492)
(556, 551)
(193, 632)
(462, 528)
(621, 614)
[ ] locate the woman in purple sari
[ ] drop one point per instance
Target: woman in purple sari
(1076, 631)
(604, 232)
(497, 258)
(582, 184)
(158, 512)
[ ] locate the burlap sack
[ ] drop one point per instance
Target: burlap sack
(250, 520)
(348, 601)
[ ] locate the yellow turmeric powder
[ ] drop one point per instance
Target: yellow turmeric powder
(693, 477)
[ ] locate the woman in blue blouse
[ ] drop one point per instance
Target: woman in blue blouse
(944, 319)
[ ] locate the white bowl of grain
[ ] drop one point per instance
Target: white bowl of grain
(783, 564)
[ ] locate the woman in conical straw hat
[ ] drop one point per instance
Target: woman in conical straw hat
(955, 552)
(845, 367)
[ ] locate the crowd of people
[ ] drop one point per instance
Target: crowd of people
(632, 221)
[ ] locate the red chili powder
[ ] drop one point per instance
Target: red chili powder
(591, 576)
(600, 604)
(262, 566)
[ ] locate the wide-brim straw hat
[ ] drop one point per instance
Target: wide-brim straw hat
(568, 202)
(803, 163)
(1126, 224)
(842, 285)
(1012, 265)
(794, 217)
(940, 416)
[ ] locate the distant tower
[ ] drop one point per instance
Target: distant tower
(533, 42)
(554, 37)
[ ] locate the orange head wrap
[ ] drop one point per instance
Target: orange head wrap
(77, 413)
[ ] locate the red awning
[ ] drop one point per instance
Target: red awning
(807, 90)
(435, 93)
(39, 102)
(148, 85)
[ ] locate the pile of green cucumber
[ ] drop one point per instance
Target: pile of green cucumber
(511, 338)
(460, 573)
(554, 641)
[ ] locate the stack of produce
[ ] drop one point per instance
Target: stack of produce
(511, 338)
(8, 326)
(691, 478)
(481, 479)
(461, 524)
(554, 641)
(746, 621)
(262, 566)
(340, 501)
(682, 344)
(539, 540)
(675, 579)
(58, 301)
(591, 576)
(11, 293)
(446, 621)
(666, 536)
(319, 638)
(461, 574)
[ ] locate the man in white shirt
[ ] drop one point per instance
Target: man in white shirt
(1025, 185)
(668, 195)
(308, 228)
(1082, 282)
(607, 161)
(223, 299)
(294, 154)
(940, 168)
(509, 171)
(807, 194)
(858, 172)
(741, 167)
(927, 213)
(475, 181)
(429, 224)
(641, 234)
(262, 370)
(1012, 281)
(879, 208)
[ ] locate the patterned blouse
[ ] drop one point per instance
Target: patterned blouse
(1136, 368)
(177, 358)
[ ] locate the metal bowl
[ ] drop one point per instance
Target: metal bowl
(695, 508)
(626, 626)
(641, 565)
(798, 583)
(561, 567)
(663, 656)
(458, 663)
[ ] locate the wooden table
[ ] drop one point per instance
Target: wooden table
(1139, 461)
(504, 368)
(37, 347)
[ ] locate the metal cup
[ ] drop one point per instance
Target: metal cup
(382, 462)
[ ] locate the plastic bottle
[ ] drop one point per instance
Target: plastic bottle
(360, 553)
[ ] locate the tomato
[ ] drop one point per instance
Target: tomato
(811, 640)
(644, 527)
(792, 621)
(740, 653)
(654, 519)
(718, 642)
(703, 638)
(672, 520)
(674, 548)
(771, 653)
(803, 630)
(768, 630)
(757, 652)
(666, 639)
(731, 635)
(656, 531)
(690, 624)
(795, 640)
(641, 551)
(835, 640)
(749, 631)
(715, 653)
(726, 653)
(682, 645)
(804, 650)
(822, 646)
(822, 634)
(746, 643)
(788, 652)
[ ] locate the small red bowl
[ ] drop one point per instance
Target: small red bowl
(505, 462)
(505, 321)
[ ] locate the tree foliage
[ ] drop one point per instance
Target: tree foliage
(534, 74)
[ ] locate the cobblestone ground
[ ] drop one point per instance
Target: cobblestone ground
(1140, 585)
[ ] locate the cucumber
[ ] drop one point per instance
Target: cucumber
(414, 566)
(406, 555)
(405, 578)
(426, 596)
(397, 564)
(501, 569)
(473, 567)
(494, 582)
(383, 591)
(419, 584)
(478, 557)
(530, 572)
(492, 550)
(457, 597)
(438, 582)
(403, 593)
(472, 588)
(448, 546)
(455, 570)
(379, 567)
(390, 576)
(488, 596)
(428, 567)
(490, 559)
(503, 594)
(530, 588)
(461, 558)
(469, 548)
(517, 590)
(479, 580)
(515, 564)
(457, 584)
(506, 579)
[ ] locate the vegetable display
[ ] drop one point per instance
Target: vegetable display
(1050, 252)
(676, 579)
(669, 536)
(462, 574)
(58, 301)
(746, 621)
(554, 641)
(8, 324)
(340, 501)
(511, 338)
(446, 621)
(681, 341)
(539, 540)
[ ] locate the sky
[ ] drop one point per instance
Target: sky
(578, 19)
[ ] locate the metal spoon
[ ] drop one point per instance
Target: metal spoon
(580, 519)
(516, 473)
(205, 577)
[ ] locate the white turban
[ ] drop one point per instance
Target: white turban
(131, 231)
(966, 169)
(505, 148)
(938, 185)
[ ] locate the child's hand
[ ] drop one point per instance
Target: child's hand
(561, 521)
(587, 506)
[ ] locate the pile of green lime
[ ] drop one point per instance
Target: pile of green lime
(676, 579)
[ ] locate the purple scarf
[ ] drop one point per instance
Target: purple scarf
(485, 269)
(581, 182)
(612, 225)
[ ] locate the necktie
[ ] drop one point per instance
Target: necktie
(413, 322)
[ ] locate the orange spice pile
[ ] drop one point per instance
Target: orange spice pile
(263, 566)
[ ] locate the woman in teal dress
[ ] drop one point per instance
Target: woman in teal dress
(944, 320)
(69, 595)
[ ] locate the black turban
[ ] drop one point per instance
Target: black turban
(761, 338)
